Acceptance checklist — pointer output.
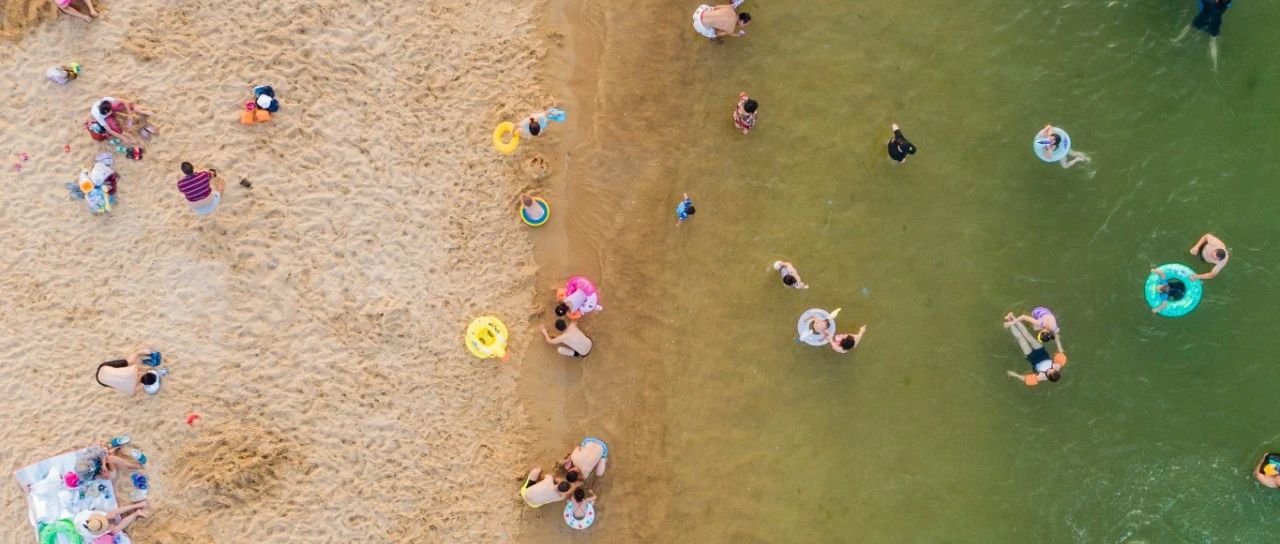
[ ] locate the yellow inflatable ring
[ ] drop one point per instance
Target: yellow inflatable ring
(546, 213)
(487, 338)
(506, 148)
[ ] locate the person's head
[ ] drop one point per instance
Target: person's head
(579, 494)
(561, 325)
(1163, 288)
(149, 378)
(572, 475)
(562, 309)
(789, 280)
(1045, 335)
(847, 343)
(750, 106)
(104, 108)
(744, 18)
(1220, 254)
(564, 487)
(1053, 374)
(187, 169)
(534, 127)
(526, 200)
(1057, 140)
(688, 210)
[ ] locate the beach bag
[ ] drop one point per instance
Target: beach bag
(96, 131)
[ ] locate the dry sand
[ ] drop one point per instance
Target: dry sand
(316, 319)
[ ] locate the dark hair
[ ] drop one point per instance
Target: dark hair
(688, 210)
(104, 107)
(562, 309)
(1045, 336)
(750, 106)
(789, 279)
(534, 127)
(561, 325)
(571, 476)
(564, 486)
(1057, 140)
(149, 378)
(1221, 253)
(579, 494)
(188, 169)
(744, 17)
(847, 343)
(1053, 374)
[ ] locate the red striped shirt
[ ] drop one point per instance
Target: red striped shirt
(196, 186)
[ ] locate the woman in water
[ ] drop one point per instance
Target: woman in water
(1045, 323)
(1043, 367)
(844, 343)
(1212, 251)
(1049, 144)
(900, 146)
(1268, 470)
(1171, 290)
(790, 277)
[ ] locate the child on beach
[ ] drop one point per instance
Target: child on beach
(745, 116)
(61, 75)
(581, 500)
(684, 210)
(65, 6)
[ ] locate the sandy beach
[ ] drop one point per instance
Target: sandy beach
(315, 320)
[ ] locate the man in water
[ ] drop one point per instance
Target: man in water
(790, 277)
(899, 146)
(844, 343)
(1209, 21)
(573, 342)
(1212, 251)
(1171, 290)
(1043, 367)
(537, 492)
(716, 22)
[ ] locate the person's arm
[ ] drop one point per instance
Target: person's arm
(1213, 273)
(1028, 379)
(1046, 131)
(591, 497)
(550, 340)
(1028, 319)
(1162, 305)
(1158, 272)
(1199, 244)
(137, 356)
(857, 337)
(1057, 339)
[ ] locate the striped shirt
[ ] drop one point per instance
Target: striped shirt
(196, 186)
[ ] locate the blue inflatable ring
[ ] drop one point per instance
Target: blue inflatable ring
(1058, 154)
(1183, 306)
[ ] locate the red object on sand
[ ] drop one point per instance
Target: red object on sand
(66, 148)
(192, 418)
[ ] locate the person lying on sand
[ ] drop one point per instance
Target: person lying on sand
(575, 343)
(129, 376)
(714, 23)
(591, 454)
(94, 523)
(537, 492)
(65, 6)
(203, 189)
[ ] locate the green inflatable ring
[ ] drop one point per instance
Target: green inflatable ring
(64, 527)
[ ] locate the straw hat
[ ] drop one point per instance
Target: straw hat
(95, 524)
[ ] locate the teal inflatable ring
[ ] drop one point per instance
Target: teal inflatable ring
(1183, 306)
(64, 527)
(1064, 147)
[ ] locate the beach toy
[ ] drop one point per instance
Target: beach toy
(581, 297)
(246, 116)
(507, 147)
(1060, 358)
(24, 156)
(576, 523)
(71, 479)
(1269, 469)
(546, 213)
(1038, 144)
(1189, 300)
(153, 359)
(487, 338)
(66, 148)
(192, 419)
(260, 115)
(806, 333)
(62, 531)
(556, 114)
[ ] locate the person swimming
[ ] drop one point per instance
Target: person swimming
(1212, 251)
(1045, 324)
(1043, 367)
(790, 277)
(1049, 143)
(900, 146)
(1171, 290)
(1209, 20)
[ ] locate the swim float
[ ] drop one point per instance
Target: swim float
(576, 523)
(508, 147)
(581, 296)
(487, 338)
(62, 531)
(1064, 147)
(812, 338)
(1180, 307)
(546, 213)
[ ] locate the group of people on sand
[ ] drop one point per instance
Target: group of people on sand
(122, 119)
(569, 481)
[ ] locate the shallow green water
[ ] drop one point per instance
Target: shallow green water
(919, 436)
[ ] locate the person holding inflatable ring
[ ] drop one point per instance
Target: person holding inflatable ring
(1051, 145)
(1212, 251)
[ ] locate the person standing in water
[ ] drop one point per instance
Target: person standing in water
(1171, 290)
(1049, 143)
(571, 342)
(716, 22)
(844, 343)
(900, 146)
(1212, 251)
(1043, 367)
(1209, 21)
(684, 210)
(744, 117)
(1268, 470)
(790, 277)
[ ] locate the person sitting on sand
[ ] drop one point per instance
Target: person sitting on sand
(537, 492)
(203, 189)
(1171, 290)
(790, 277)
(93, 524)
(129, 376)
(1212, 251)
(1043, 367)
(100, 462)
(844, 343)
(119, 117)
(575, 343)
(744, 117)
(900, 146)
(716, 22)
(581, 499)
(592, 454)
(533, 125)
(67, 8)
(1268, 470)
(1049, 142)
